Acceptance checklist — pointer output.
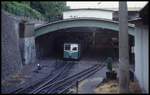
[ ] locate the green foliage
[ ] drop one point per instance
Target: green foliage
(52, 11)
(20, 9)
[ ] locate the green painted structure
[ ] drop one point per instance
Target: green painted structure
(81, 22)
(72, 55)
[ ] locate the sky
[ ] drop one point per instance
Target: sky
(102, 4)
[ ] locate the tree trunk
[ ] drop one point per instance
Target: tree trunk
(123, 48)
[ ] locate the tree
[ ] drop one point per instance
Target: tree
(51, 10)
(123, 48)
(21, 9)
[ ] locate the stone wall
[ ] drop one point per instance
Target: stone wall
(27, 42)
(27, 47)
(11, 57)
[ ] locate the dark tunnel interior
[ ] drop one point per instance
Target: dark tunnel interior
(95, 43)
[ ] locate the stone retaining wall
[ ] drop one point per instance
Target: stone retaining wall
(11, 57)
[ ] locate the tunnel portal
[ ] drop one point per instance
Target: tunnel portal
(95, 42)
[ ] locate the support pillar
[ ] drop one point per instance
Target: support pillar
(123, 48)
(27, 42)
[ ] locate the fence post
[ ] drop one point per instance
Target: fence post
(77, 83)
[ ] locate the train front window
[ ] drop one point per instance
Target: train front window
(67, 47)
(74, 48)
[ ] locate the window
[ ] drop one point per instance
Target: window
(67, 47)
(74, 48)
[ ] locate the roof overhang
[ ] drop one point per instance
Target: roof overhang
(81, 22)
(97, 9)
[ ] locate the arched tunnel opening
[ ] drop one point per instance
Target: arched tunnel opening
(95, 43)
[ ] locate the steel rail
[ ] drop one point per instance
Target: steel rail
(73, 83)
(19, 90)
(71, 79)
(89, 74)
(61, 72)
(60, 81)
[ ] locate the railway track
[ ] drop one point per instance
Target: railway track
(73, 84)
(59, 82)
(64, 84)
(69, 83)
(60, 72)
(73, 79)
(68, 86)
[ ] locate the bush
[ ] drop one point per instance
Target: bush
(20, 9)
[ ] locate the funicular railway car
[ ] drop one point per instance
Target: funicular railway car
(71, 51)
